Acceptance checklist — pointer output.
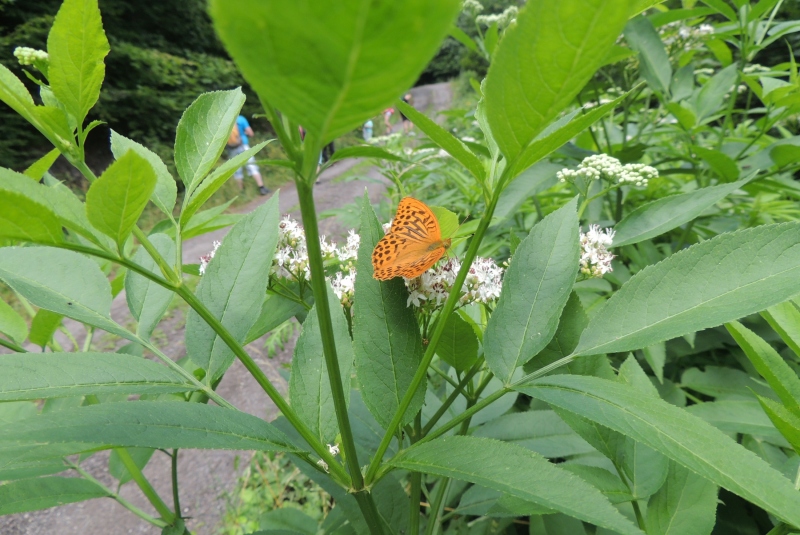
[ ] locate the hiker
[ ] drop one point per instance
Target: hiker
(387, 115)
(407, 124)
(238, 142)
(367, 130)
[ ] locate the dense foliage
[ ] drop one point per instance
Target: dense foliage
(613, 345)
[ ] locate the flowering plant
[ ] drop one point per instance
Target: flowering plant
(472, 392)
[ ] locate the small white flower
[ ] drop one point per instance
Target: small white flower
(28, 56)
(482, 284)
(334, 449)
(344, 286)
(206, 258)
(599, 166)
(323, 464)
(595, 258)
(473, 7)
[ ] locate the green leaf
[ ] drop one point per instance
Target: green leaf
(332, 81)
(711, 96)
(203, 133)
(536, 287)
(43, 493)
(63, 282)
(609, 484)
(147, 300)
(685, 505)
(543, 61)
(542, 431)
(77, 46)
(722, 164)
(38, 168)
(25, 220)
(216, 179)
(58, 199)
(532, 181)
(662, 215)
(786, 422)
(386, 338)
(454, 146)
(723, 382)
(166, 190)
(115, 201)
(675, 433)
(719, 280)
(12, 324)
(737, 416)
(150, 424)
(784, 318)
(784, 155)
(641, 5)
(515, 471)
(49, 375)
(448, 221)
(547, 142)
(722, 8)
(43, 326)
(769, 364)
(458, 345)
(645, 468)
(233, 288)
(309, 384)
(275, 310)
(656, 356)
(365, 151)
(653, 59)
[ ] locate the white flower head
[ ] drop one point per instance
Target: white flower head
(603, 166)
(29, 56)
(482, 284)
(344, 286)
(206, 258)
(291, 256)
(595, 258)
(473, 7)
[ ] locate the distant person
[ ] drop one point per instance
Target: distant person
(407, 124)
(238, 142)
(387, 116)
(367, 130)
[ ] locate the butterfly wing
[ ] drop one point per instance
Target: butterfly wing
(415, 221)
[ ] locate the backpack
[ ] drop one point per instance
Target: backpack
(235, 139)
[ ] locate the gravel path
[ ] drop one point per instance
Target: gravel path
(207, 475)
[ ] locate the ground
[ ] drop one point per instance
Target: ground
(206, 476)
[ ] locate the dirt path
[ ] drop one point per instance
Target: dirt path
(207, 475)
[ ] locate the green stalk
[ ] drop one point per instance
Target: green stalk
(416, 483)
(437, 506)
(781, 529)
(261, 378)
(166, 270)
(144, 485)
(12, 346)
(449, 306)
(452, 397)
(176, 500)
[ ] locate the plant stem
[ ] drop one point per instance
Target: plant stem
(449, 306)
(150, 493)
(781, 529)
(436, 507)
(176, 499)
(12, 346)
(416, 484)
(370, 512)
(119, 499)
(261, 378)
(165, 268)
(87, 343)
(452, 397)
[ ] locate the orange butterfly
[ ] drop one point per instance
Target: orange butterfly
(412, 245)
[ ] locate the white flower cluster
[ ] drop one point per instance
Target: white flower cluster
(344, 283)
(503, 20)
(28, 56)
(599, 166)
(684, 36)
(385, 140)
(206, 258)
(595, 258)
(482, 285)
(473, 7)
(291, 256)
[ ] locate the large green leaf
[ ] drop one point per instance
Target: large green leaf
(769, 364)
(722, 279)
(784, 420)
(12, 324)
(150, 424)
(331, 65)
(516, 471)
(63, 282)
(309, 384)
(49, 375)
(711, 96)
(543, 61)
(43, 493)
(275, 310)
(25, 220)
(541, 431)
(233, 288)
(147, 300)
(536, 287)
(662, 215)
(653, 59)
(685, 505)
(77, 46)
(203, 132)
(386, 338)
(115, 201)
(70, 211)
(166, 190)
(43, 325)
(738, 416)
(674, 432)
(784, 318)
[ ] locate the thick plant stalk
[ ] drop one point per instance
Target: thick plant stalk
(152, 496)
(422, 370)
